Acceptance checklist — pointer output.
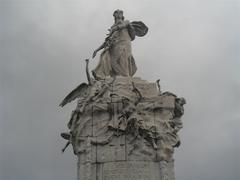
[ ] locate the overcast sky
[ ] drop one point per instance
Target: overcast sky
(193, 46)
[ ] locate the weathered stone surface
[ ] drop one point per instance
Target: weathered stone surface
(122, 87)
(124, 127)
(127, 170)
(113, 151)
(127, 131)
(87, 153)
(131, 170)
(87, 171)
(100, 122)
(138, 149)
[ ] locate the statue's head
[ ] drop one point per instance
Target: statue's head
(118, 14)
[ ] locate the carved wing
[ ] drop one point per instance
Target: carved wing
(81, 90)
(140, 28)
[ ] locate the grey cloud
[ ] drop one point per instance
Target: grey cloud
(192, 46)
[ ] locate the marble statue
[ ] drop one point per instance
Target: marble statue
(123, 127)
(116, 58)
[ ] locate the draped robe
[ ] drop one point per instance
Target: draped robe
(116, 59)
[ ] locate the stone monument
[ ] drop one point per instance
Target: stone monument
(124, 127)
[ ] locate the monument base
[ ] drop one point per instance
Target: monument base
(125, 129)
(126, 170)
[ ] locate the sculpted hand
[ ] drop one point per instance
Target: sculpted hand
(94, 54)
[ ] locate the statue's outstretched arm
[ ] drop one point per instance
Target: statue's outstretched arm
(98, 49)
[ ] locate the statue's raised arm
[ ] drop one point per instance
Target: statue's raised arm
(116, 58)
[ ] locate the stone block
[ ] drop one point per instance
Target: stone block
(113, 151)
(84, 125)
(101, 120)
(164, 101)
(131, 170)
(139, 149)
(87, 171)
(86, 152)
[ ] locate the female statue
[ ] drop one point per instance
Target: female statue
(116, 58)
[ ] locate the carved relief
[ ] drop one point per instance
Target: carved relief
(123, 128)
(112, 111)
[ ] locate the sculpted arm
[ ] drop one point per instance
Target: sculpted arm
(98, 49)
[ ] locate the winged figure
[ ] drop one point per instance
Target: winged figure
(116, 59)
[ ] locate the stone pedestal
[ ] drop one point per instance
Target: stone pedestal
(126, 170)
(127, 132)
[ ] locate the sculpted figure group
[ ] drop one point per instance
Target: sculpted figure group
(129, 105)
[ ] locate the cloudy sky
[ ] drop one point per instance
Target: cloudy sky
(193, 46)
